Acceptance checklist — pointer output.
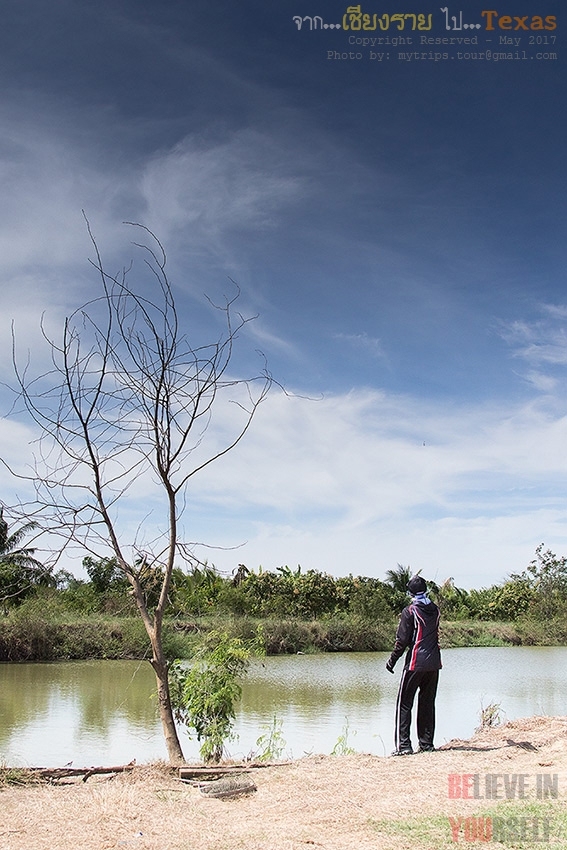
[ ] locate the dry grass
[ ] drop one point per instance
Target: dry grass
(358, 802)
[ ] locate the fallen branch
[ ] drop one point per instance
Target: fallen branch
(199, 771)
(57, 773)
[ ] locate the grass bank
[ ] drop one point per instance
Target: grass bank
(43, 630)
(524, 632)
(36, 635)
(512, 824)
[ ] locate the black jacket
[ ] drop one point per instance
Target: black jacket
(418, 632)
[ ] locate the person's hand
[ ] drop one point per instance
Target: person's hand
(389, 666)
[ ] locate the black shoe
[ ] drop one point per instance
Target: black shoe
(403, 752)
(426, 749)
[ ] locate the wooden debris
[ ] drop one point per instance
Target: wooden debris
(57, 774)
(201, 771)
(211, 772)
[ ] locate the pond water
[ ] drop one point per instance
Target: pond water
(104, 712)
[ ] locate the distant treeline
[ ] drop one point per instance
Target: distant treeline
(539, 592)
(58, 616)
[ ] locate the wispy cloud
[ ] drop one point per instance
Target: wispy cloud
(541, 382)
(362, 342)
(210, 193)
(539, 341)
(47, 179)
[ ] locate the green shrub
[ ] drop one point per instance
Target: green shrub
(204, 694)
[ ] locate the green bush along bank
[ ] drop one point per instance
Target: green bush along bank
(40, 632)
(311, 611)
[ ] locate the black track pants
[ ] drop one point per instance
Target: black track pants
(426, 681)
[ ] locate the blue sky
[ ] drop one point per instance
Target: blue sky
(398, 226)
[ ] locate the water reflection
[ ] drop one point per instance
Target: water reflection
(88, 712)
(104, 712)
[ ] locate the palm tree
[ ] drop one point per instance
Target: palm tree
(398, 579)
(19, 570)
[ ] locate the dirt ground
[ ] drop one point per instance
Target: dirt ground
(358, 802)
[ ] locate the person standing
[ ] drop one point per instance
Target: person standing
(418, 632)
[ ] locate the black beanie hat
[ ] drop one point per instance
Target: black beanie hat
(417, 585)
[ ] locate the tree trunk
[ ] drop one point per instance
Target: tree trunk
(154, 628)
(159, 663)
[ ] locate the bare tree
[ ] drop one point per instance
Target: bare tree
(129, 398)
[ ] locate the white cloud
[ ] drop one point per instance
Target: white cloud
(476, 552)
(346, 484)
(360, 481)
(264, 336)
(556, 311)
(47, 179)
(374, 452)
